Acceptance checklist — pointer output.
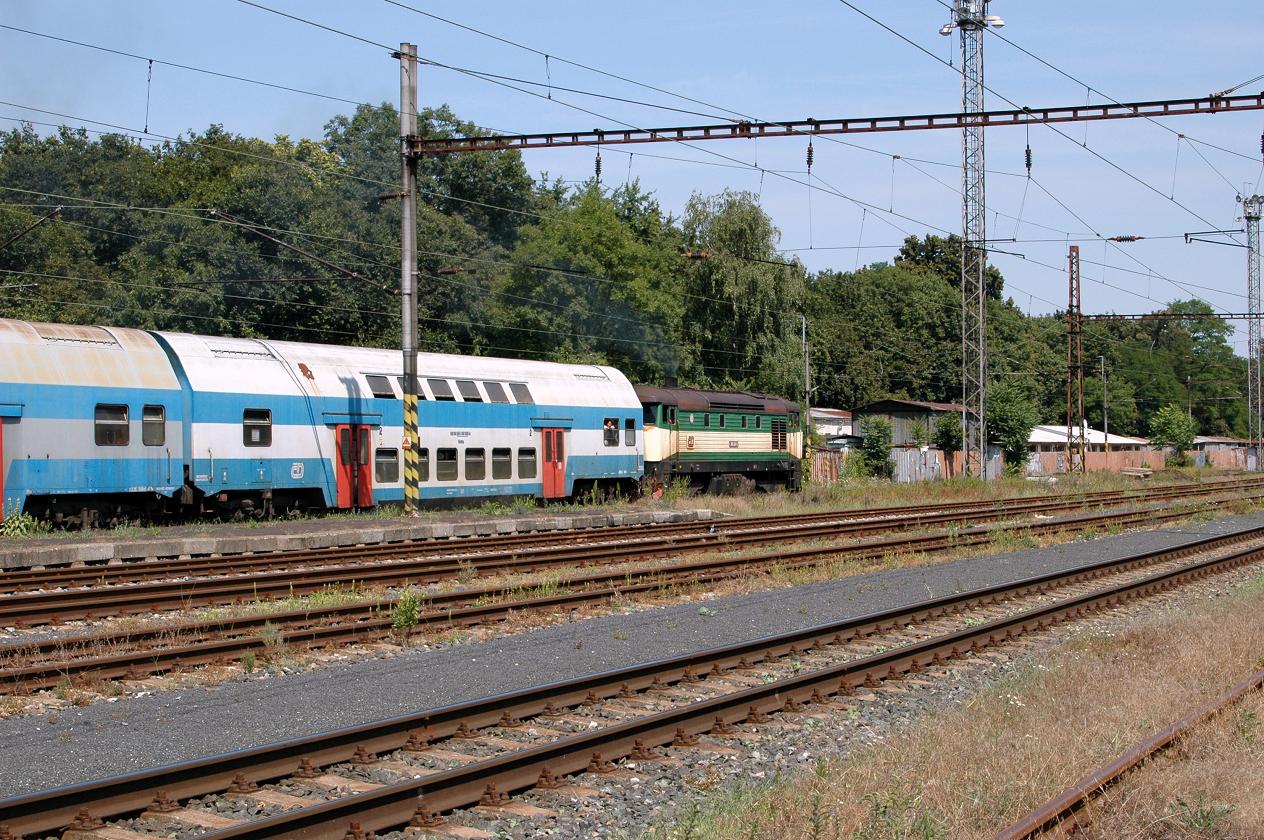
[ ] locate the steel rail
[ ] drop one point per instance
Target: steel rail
(97, 574)
(61, 605)
(1064, 806)
(393, 805)
(218, 642)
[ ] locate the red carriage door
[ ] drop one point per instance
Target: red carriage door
(554, 463)
(354, 466)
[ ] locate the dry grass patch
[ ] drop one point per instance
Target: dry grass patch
(969, 771)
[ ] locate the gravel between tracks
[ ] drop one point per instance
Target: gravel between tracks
(79, 744)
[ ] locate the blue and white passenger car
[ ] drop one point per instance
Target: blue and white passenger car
(91, 422)
(256, 426)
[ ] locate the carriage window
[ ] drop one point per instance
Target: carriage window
(469, 391)
(610, 431)
(445, 468)
(723, 420)
(153, 425)
(421, 395)
(495, 392)
(386, 466)
(380, 386)
(256, 427)
(111, 425)
(475, 464)
(744, 419)
(526, 463)
(364, 449)
(629, 432)
(520, 393)
(706, 421)
(548, 448)
(759, 422)
(423, 464)
(441, 389)
(502, 463)
(344, 446)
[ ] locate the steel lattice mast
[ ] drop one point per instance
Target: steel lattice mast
(971, 18)
(1255, 400)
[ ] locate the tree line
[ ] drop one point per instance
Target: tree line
(181, 236)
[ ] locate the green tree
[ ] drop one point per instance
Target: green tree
(947, 436)
(743, 301)
(875, 449)
(1011, 415)
(942, 257)
(1172, 426)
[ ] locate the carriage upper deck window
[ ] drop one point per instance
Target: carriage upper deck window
(380, 386)
(496, 392)
(441, 389)
(520, 393)
(421, 395)
(153, 425)
(111, 425)
(256, 427)
(610, 431)
(469, 391)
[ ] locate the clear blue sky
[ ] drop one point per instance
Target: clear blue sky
(814, 58)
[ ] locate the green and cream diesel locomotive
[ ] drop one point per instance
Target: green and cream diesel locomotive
(721, 441)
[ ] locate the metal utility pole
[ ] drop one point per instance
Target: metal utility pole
(807, 380)
(1255, 400)
(408, 271)
(1105, 410)
(1075, 367)
(971, 18)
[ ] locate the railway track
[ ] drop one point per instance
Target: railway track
(96, 601)
(134, 654)
(453, 757)
(1060, 812)
(220, 566)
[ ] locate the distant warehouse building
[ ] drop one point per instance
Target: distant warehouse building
(912, 421)
(1047, 446)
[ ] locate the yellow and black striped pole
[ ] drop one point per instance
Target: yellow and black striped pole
(412, 461)
(408, 272)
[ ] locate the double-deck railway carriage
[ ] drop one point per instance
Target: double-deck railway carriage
(721, 440)
(308, 425)
(91, 424)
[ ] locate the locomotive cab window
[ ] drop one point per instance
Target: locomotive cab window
(380, 386)
(153, 425)
(495, 392)
(475, 464)
(256, 427)
(111, 425)
(502, 463)
(469, 391)
(610, 431)
(650, 414)
(526, 462)
(629, 432)
(521, 395)
(441, 389)
(672, 417)
(386, 466)
(445, 464)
